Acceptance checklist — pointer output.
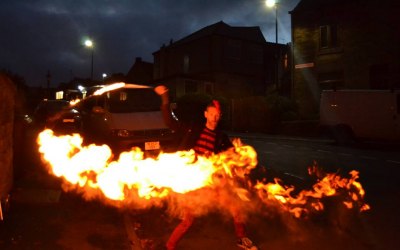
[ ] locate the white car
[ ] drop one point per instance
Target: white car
(124, 115)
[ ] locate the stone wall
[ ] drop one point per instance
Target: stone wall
(7, 105)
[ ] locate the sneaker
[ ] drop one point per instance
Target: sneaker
(246, 243)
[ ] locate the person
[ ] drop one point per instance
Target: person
(204, 139)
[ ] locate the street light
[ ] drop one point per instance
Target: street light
(104, 76)
(89, 44)
(274, 4)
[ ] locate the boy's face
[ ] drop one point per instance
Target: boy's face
(212, 115)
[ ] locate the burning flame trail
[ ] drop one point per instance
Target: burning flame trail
(132, 178)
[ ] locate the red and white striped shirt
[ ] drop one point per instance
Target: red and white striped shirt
(206, 142)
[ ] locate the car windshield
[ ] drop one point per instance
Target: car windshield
(132, 100)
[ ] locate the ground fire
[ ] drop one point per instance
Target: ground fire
(182, 179)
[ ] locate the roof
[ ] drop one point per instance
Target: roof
(141, 72)
(220, 28)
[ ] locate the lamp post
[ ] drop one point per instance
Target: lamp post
(104, 76)
(89, 44)
(274, 4)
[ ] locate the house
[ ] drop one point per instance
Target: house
(141, 72)
(220, 60)
(343, 44)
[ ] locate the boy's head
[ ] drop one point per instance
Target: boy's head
(212, 114)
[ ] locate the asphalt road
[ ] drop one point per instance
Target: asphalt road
(42, 216)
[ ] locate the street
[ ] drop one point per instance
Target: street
(42, 216)
(378, 164)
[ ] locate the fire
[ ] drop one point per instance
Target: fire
(74, 102)
(330, 185)
(94, 169)
(92, 166)
(109, 88)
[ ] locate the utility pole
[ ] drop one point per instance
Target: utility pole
(48, 77)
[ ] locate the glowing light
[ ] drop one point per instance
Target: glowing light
(88, 43)
(270, 3)
(113, 86)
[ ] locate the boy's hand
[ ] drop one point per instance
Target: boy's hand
(160, 89)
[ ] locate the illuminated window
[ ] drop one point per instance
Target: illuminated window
(59, 95)
(123, 96)
(285, 61)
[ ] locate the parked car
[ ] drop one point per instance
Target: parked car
(361, 114)
(66, 121)
(122, 116)
(47, 109)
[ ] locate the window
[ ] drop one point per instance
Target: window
(133, 100)
(186, 64)
(328, 36)
(59, 95)
(191, 86)
(233, 49)
(285, 61)
(122, 96)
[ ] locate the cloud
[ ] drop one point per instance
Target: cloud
(43, 35)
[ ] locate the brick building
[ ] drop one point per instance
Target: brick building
(343, 44)
(220, 60)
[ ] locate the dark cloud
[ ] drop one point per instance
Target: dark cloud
(41, 35)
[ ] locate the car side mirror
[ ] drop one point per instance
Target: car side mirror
(98, 110)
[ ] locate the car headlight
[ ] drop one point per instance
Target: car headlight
(28, 119)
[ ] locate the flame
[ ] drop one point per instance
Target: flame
(110, 87)
(74, 102)
(180, 172)
(330, 185)
(94, 169)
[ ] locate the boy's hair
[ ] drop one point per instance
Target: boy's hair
(215, 104)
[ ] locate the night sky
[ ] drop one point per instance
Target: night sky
(38, 36)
